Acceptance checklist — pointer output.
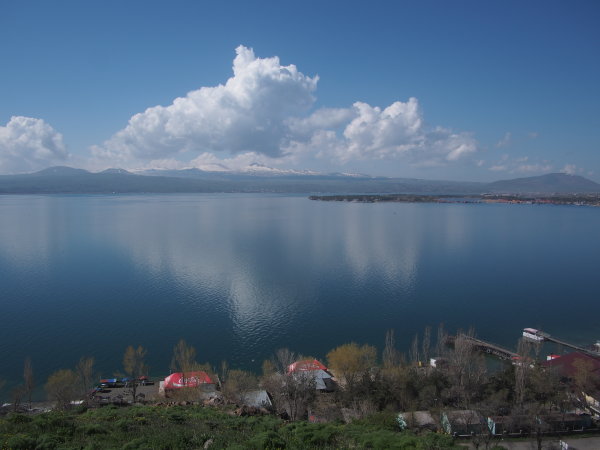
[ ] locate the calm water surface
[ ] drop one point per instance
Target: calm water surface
(239, 276)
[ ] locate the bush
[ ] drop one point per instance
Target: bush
(436, 441)
(122, 424)
(21, 441)
(19, 419)
(136, 444)
(92, 429)
(47, 442)
(267, 440)
(312, 435)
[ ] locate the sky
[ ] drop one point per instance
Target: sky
(456, 90)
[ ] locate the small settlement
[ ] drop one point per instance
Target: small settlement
(307, 389)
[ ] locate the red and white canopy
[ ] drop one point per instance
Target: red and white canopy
(305, 365)
(191, 379)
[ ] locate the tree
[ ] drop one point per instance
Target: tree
(293, 393)
(414, 351)
(426, 345)
(442, 338)
(17, 394)
(85, 374)
(522, 371)
(585, 379)
(466, 370)
(391, 357)
(135, 367)
(238, 384)
(184, 358)
(350, 362)
(62, 387)
(29, 382)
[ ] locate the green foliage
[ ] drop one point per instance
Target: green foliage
(20, 441)
(267, 440)
(19, 418)
(192, 426)
(48, 442)
(92, 428)
(382, 421)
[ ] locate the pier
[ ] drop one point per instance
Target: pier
(540, 336)
(486, 347)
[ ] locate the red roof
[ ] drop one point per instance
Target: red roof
(569, 364)
(306, 365)
(191, 379)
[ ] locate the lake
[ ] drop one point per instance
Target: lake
(239, 276)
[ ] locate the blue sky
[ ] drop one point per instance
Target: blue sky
(470, 90)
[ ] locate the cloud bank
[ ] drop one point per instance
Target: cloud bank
(28, 144)
(265, 114)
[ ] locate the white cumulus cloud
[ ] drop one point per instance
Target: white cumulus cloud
(264, 114)
(372, 133)
(246, 114)
(28, 144)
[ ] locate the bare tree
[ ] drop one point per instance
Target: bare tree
(426, 344)
(522, 370)
(238, 384)
(224, 370)
(184, 359)
(17, 394)
(293, 392)
(85, 373)
(467, 370)
(135, 367)
(391, 356)
(414, 350)
(29, 382)
(442, 337)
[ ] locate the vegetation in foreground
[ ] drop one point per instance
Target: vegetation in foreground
(185, 427)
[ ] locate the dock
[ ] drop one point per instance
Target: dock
(540, 336)
(486, 347)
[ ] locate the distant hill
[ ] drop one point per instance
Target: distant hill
(66, 180)
(58, 171)
(546, 184)
(60, 179)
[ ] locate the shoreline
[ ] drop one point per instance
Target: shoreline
(560, 200)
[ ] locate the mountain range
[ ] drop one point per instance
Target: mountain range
(61, 179)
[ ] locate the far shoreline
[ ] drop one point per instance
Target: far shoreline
(520, 199)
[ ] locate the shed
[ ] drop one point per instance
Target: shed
(515, 424)
(567, 421)
(258, 399)
(462, 422)
(322, 377)
(422, 420)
